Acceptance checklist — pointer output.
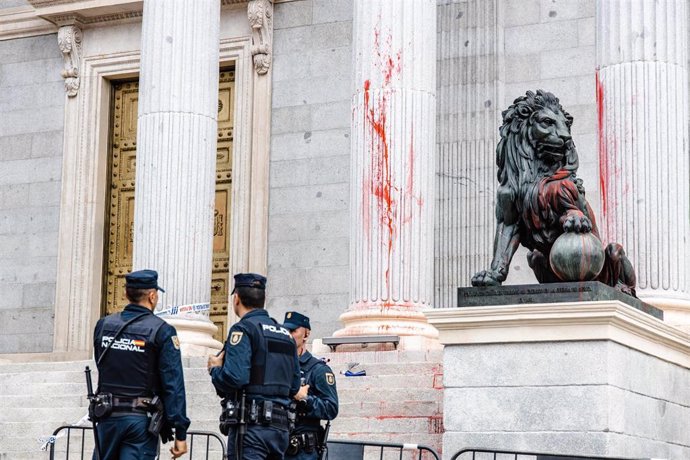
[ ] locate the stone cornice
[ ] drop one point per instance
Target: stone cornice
(602, 320)
(23, 22)
(45, 16)
(66, 12)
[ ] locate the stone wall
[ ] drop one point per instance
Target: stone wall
(32, 105)
(308, 258)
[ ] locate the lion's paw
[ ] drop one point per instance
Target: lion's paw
(578, 223)
(486, 278)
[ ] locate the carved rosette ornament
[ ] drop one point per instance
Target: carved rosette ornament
(69, 41)
(260, 14)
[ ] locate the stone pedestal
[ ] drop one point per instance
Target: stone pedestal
(176, 155)
(642, 98)
(392, 168)
(593, 378)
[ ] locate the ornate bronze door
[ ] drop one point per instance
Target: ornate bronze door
(119, 238)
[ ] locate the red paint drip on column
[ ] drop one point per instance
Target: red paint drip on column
(379, 180)
(603, 153)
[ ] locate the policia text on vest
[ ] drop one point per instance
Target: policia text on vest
(141, 392)
(256, 375)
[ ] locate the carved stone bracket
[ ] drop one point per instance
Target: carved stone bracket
(260, 14)
(69, 41)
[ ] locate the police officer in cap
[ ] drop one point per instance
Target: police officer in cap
(318, 398)
(257, 375)
(139, 366)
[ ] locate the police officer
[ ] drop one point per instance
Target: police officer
(318, 402)
(138, 358)
(256, 374)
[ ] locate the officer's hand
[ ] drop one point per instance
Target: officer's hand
(179, 449)
(215, 361)
(302, 393)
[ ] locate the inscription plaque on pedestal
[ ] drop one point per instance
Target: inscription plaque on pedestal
(584, 291)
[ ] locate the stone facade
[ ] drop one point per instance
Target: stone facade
(32, 98)
(308, 258)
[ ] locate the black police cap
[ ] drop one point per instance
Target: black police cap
(252, 280)
(143, 279)
(293, 320)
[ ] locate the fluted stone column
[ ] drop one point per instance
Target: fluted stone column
(642, 96)
(469, 99)
(176, 157)
(392, 168)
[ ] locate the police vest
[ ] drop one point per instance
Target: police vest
(273, 359)
(130, 367)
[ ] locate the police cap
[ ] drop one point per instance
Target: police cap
(143, 279)
(251, 280)
(293, 320)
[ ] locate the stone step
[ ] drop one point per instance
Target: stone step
(22, 414)
(398, 400)
(53, 376)
(43, 401)
(28, 368)
(384, 394)
(391, 408)
(385, 424)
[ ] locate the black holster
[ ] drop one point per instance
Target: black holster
(229, 415)
(157, 419)
(307, 442)
(100, 407)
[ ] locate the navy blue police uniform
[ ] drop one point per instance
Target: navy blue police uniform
(321, 402)
(260, 362)
(142, 362)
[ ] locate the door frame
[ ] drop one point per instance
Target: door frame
(84, 178)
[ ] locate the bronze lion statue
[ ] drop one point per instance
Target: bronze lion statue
(540, 196)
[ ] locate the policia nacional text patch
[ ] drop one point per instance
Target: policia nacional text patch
(235, 338)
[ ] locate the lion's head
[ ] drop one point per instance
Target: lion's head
(535, 139)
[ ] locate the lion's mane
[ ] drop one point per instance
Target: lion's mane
(519, 167)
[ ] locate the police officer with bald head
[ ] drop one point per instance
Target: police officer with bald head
(139, 362)
(317, 399)
(257, 375)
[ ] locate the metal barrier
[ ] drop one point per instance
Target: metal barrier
(354, 450)
(191, 435)
(511, 455)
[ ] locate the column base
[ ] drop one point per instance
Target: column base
(676, 307)
(196, 336)
(414, 330)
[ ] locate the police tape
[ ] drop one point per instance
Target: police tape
(47, 440)
(184, 309)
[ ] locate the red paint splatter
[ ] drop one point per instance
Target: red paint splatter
(379, 181)
(603, 153)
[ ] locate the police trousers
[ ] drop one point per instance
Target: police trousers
(126, 437)
(302, 455)
(260, 443)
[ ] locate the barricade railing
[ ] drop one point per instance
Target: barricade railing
(355, 450)
(204, 451)
(486, 454)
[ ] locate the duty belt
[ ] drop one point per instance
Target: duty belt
(279, 415)
(128, 405)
